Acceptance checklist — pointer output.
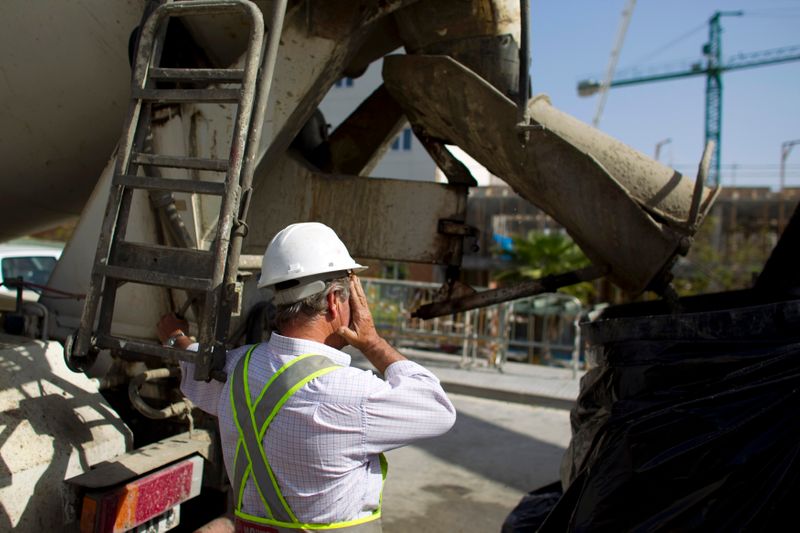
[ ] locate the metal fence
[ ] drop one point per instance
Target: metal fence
(541, 329)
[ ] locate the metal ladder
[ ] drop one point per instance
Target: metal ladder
(208, 276)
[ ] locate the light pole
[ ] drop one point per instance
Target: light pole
(659, 144)
(786, 149)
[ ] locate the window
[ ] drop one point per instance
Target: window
(404, 140)
(343, 82)
(31, 269)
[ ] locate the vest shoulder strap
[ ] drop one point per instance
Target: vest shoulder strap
(252, 419)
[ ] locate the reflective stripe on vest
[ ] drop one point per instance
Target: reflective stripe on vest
(252, 420)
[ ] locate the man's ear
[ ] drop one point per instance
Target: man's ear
(332, 298)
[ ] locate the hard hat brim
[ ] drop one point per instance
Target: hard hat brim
(306, 286)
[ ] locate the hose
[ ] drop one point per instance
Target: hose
(174, 409)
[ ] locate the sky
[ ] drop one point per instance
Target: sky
(572, 40)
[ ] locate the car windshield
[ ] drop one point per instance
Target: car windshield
(31, 269)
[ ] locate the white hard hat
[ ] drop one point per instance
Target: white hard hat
(301, 258)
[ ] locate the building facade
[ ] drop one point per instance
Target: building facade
(406, 158)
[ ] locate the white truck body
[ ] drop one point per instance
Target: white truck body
(65, 94)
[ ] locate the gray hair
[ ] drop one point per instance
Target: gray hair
(314, 305)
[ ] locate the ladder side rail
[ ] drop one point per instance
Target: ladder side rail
(211, 355)
(116, 205)
(97, 285)
(263, 87)
(121, 226)
(238, 147)
(135, 136)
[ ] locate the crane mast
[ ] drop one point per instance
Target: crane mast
(713, 69)
(627, 13)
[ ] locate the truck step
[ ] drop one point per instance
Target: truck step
(173, 185)
(219, 75)
(171, 96)
(166, 161)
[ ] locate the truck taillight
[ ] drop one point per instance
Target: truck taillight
(148, 497)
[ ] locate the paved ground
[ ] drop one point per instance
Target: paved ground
(509, 438)
(516, 382)
(469, 479)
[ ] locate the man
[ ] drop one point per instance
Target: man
(306, 451)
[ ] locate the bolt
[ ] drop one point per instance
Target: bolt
(684, 245)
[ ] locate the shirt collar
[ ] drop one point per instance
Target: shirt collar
(281, 345)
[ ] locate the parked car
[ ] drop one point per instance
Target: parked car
(33, 262)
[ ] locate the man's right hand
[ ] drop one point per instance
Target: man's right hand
(170, 325)
(361, 333)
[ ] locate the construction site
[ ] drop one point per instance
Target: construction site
(609, 294)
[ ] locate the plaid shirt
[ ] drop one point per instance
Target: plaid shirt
(324, 443)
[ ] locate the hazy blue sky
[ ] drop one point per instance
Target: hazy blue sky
(572, 40)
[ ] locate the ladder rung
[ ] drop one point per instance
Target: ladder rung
(166, 96)
(174, 185)
(197, 74)
(150, 264)
(142, 347)
(164, 260)
(172, 161)
(147, 277)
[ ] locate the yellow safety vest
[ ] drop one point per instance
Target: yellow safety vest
(252, 420)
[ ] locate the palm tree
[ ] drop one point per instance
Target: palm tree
(541, 253)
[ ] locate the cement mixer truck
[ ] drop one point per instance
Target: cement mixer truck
(184, 135)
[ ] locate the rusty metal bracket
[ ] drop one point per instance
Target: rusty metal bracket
(702, 174)
(456, 172)
(504, 294)
(523, 117)
(240, 224)
(456, 228)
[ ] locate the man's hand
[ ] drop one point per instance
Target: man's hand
(171, 325)
(362, 335)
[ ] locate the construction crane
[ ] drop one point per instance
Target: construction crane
(712, 69)
(627, 13)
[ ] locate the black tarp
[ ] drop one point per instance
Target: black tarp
(688, 421)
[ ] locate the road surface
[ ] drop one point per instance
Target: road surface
(469, 479)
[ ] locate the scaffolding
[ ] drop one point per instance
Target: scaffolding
(541, 329)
